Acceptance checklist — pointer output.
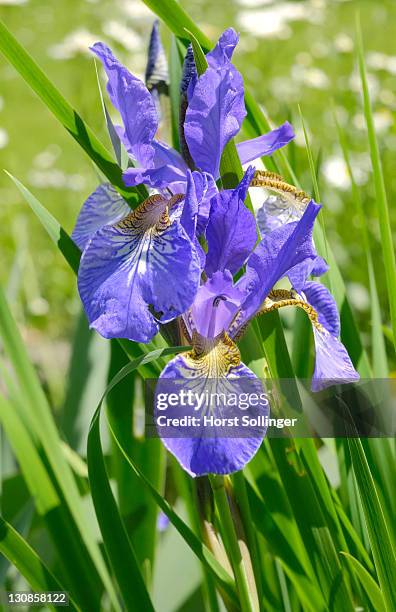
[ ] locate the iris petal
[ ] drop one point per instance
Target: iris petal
(103, 207)
(214, 115)
(332, 364)
(160, 178)
(133, 101)
(218, 453)
(323, 302)
(298, 274)
(277, 253)
(266, 144)
(164, 154)
(275, 212)
(141, 267)
(216, 304)
(231, 232)
(221, 54)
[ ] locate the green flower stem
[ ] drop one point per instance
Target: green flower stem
(242, 510)
(188, 490)
(231, 543)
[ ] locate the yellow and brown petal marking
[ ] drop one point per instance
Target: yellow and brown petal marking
(275, 182)
(211, 357)
(152, 214)
(279, 298)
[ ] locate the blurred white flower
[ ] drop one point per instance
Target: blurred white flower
(381, 61)
(253, 3)
(273, 20)
(310, 77)
(135, 9)
(3, 138)
(123, 35)
(73, 44)
(355, 84)
(336, 172)
(387, 97)
(56, 179)
(383, 120)
(45, 159)
(343, 43)
(320, 49)
(358, 295)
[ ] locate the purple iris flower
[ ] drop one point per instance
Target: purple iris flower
(141, 269)
(222, 308)
(215, 113)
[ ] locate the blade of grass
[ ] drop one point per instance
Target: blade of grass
(382, 547)
(274, 526)
(247, 595)
(177, 20)
(27, 562)
(350, 530)
(379, 182)
(38, 412)
(137, 508)
(379, 360)
(321, 236)
(119, 551)
(72, 557)
(66, 115)
(85, 381)
(367, 581)
(314, 519)
(333, 279)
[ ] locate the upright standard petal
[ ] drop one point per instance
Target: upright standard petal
(215, 305)
(132, 99)
(214, 115)
(231, 232)
(266, 144)
(221, 54)
(206, 190)
(212, 368)
(137, 273)
(189, 214)
(103, 207)
(281, 250)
